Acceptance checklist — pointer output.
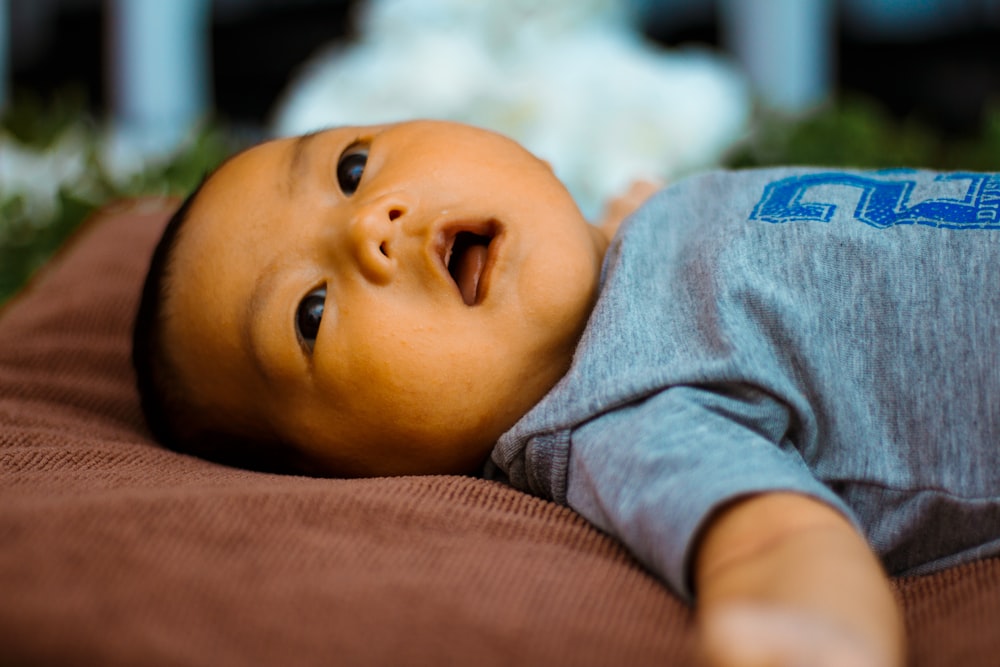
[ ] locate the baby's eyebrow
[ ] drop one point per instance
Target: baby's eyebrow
(297, 162)
(254, 316)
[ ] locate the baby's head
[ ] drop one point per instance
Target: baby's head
(364, 301)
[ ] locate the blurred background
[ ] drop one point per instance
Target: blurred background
(101, 99)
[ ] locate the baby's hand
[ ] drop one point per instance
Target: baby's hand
(749, 635)
(783, 579)
(620, 207)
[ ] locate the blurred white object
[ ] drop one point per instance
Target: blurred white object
(37, 176)
(572, 80)
(158, 57)
(70, 163)
(786, 47)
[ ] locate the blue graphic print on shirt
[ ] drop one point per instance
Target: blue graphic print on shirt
(885, 201)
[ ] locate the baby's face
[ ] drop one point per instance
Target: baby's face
(387, 299)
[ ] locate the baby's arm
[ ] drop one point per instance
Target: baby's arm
(782, 579)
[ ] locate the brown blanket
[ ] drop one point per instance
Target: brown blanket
(114, 551)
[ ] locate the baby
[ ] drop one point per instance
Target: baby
(770, 385)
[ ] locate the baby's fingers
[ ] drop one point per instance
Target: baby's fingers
(760, 636)
(620, 207)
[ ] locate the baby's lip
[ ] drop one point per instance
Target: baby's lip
(466, 254)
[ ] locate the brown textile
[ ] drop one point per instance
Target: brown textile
(114, 551)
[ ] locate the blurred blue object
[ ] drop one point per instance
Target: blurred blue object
(786, 48)
(913, 19)
(160, 67)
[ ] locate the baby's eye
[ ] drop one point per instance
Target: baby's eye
(309, 315)
(350, 168)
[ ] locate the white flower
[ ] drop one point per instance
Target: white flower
(572, 80)
(37, 176)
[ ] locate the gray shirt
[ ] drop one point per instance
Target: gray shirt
(832, 333)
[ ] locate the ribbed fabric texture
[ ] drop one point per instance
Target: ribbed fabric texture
(114, 551)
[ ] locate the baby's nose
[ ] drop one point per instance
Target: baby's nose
(374, 232)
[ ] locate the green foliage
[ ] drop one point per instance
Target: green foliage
(183, 171)
(857, 132)
(25, 246)
(30, 234)
(37, 123)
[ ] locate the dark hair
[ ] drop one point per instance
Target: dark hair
(174, 422)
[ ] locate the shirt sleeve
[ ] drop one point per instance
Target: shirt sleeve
(652, 473)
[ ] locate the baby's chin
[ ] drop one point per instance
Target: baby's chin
(464, 457)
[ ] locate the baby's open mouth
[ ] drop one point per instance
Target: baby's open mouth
(466, 258)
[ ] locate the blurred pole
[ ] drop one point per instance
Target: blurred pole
(786, 47)
(159, 66)
(5, 51)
